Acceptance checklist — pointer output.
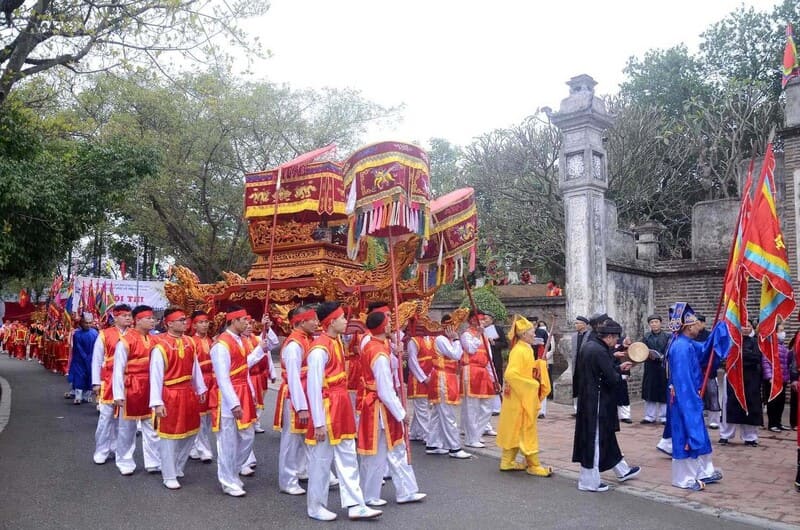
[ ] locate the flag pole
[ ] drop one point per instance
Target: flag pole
(745, 196)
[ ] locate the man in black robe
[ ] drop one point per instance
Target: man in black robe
(654, 381)
(735, 416)
(595, 446)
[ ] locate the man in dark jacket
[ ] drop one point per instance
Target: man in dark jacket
(595, 446)
(654, 381)
(735, 415)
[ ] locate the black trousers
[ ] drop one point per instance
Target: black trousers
(774, 407)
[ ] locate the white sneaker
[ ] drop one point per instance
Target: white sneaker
(126, 472)
(294, 490)
(632, 473)
(414, 497)
(194, 455)
(333, 482)
(259, 430)
(461, 454)
(99, 459)
(479, 445)
(490, 432)
(172, 484)
(234, 492)
(153, 470)
(362, 512)
(323, 515)
(247, 471)
(377, 502)
(436, 451)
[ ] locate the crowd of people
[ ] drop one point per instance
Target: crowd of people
(339, 408)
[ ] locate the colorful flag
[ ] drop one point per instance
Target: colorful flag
(110, 298)
(100, 299)
(735, 296)
(70, 292)
(24, 298)
(82, 301)
(766, 260)
(122, 269)
(791, 68)
(91, 299)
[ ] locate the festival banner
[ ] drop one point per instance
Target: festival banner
(129, 292)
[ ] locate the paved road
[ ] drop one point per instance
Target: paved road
(48, 480)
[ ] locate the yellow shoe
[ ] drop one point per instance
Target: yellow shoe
(539, 471)
(514, 466)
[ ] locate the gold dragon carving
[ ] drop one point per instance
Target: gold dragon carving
(289, 232)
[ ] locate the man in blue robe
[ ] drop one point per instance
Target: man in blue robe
(692, 467)
(80, 367)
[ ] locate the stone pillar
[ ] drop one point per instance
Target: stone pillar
(583, 181)
(647, 241)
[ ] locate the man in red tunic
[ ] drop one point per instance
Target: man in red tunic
(202, 346)
(105, 436)
(131, 382)
(175, 384)
(479, 384)
(235, 412)
(421, 353)
(291, 406)
(380, 430)
(332, 429)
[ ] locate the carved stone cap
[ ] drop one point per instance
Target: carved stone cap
(581, 103)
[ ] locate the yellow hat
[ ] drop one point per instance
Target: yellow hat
(519, 324)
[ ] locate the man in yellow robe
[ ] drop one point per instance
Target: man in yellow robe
(526, 383)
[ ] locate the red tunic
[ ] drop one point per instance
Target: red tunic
(339, 417)
(258, 372)
(202, 348)
(445, 373)
(239, 380)
(372, 407)
(426, 352)
(18, 342)
(109, 337)
(301, 338)
(180, 400)
(353, 364)
(137, 375)
(477, 380)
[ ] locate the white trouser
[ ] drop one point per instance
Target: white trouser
(749, 433)
(687, 471)
(126, 445)
(543, 407)
(444, 431)
(624, 412)
(372, 469)
(589, 478)
(496, 404)
(105, 436)
(714, 416)
(420, 423)
(476, 412)
(575, 404)
(202, 442)
(320, 456)
(292, 454)
(655, 411)
(233, 447)
(665, 444)
(174, 454)
(258, 417)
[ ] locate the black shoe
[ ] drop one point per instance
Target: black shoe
(627, 420)
(646, 422)
(751, 443)
(723, 441)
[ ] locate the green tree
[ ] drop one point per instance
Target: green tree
(53, 189)
(446, 175)
(89, 36)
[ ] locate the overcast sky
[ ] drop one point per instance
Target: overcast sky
(463, 68)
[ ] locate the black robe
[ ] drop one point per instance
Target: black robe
(654, 380)
(751, 366)
(597, 405)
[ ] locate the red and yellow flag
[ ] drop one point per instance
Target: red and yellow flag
(790, 66)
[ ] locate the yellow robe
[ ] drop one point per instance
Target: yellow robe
(522, 394)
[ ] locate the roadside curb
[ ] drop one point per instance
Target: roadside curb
(699, 507)
(5, 403)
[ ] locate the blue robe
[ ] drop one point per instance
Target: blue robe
(80, 367)
(685, 407)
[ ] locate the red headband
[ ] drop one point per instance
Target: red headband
(330, 318)
(382, 309)
(117, 312)
(200, 318)
(236, 314)
(143, 314)
(177, 315)
(380, 328)
(301, 317)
